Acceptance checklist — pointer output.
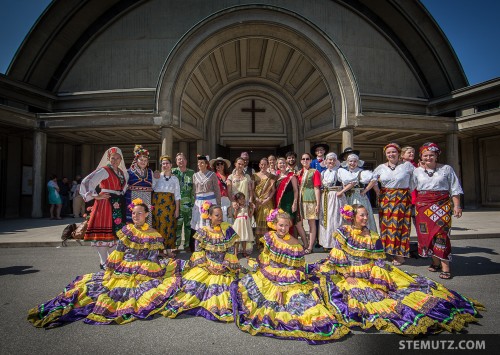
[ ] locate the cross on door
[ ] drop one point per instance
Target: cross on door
(253, 110)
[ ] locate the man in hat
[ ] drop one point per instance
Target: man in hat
(185, 177)
(319, 150)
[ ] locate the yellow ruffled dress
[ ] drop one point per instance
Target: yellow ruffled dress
(136, 285)
(300, 314)
(357, 282)
(207, 277)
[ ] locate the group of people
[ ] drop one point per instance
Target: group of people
(279, 295)
(427, 192)
(64, 198)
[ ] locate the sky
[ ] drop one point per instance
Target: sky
(472, 27)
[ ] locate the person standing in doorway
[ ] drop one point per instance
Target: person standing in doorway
(185, 177)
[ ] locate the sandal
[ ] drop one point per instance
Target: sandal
(308, 251)
(434, 268)
(397, 263)
(445, 275)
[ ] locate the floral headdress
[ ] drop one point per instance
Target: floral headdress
(347, 212)
(138, 151)
(204, 209)
(431, 147)
(138, 201)
(271, 218)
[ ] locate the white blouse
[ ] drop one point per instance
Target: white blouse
(398, 178)
(329, 177)
(171, 185)
(90, 182)
(364, 176)
(444, 179)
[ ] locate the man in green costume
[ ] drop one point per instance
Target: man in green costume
(185, 177)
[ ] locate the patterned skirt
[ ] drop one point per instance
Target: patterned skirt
(107, 218)
(433, 220)
(385, 297)
(301, 316)
(164, 217)
(395, 221)
(203, 294)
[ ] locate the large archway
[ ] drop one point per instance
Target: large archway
(256, 51)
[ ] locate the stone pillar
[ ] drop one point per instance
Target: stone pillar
(183, 148)
(452, 153)
(39, 160)
(200, 149)
(86, 160)
(307, 147)
(166, 141)
(347, 138)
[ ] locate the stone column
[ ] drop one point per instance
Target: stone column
(452, 153)
(200, 149)
(307, 147)
(166, 141)
(86, 158)
(39, 161)
(183, 148)
(347, 138)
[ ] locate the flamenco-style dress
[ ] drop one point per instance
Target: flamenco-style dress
(302, 315)
(135, 285)
(206, 279)
(395, 208)
(140, 185)
(357, 281)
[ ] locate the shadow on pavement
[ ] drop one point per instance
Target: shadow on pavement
(17, 270)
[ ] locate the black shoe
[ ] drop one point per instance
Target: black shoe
(101, 266)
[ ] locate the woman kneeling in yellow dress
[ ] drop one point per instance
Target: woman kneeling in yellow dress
(211, 269)
(369, 291)
(277, 299)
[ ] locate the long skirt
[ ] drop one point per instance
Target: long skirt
(107, 218)
(354, 197)
(196, 221)
(225, 203)
(164, 217)
(329, 216)
(433, 220)
(395, 221)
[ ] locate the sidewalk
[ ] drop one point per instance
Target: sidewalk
(43, 232)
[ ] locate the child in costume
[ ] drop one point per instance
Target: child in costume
(242, 226)
(276, 299)
(211, 269)
(135, 285)
(357, 280)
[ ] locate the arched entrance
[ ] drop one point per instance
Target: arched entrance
(288, 75)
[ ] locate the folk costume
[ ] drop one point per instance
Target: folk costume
(140, 183)
(395, 207)
(434, 209)
(369, 292)
(276, 299)
(206, 188)
(166, 192)
(329, 215)
(135, 285)
(186, 205)
(264, 187)
(308, 180)
(285, 195)
(210, 271)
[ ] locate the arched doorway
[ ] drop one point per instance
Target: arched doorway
(253, 54)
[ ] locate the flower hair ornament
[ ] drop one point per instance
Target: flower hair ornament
(204, 209)
(347, 212)
(137, 202)
(271, 218)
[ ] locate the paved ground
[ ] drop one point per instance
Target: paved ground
(29, 276)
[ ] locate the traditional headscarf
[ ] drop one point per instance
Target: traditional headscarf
(332, 155)
(431, 147)
(393, 145)
(350, 157)
(138, 151)
(106, 157)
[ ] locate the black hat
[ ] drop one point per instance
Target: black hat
(317, 145)
(346, 152)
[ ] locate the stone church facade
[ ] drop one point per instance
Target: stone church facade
(218, 77)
